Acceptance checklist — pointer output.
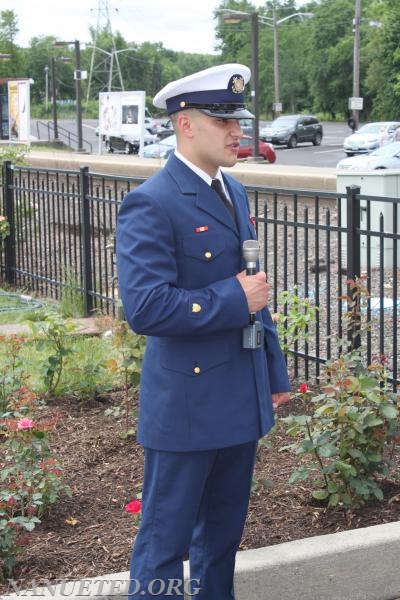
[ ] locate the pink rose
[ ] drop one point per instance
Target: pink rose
(25, 423)
(302, 388)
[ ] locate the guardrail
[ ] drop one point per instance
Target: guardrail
(64, 135)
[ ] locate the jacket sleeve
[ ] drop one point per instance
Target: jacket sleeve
(275, 358)
(148, 274)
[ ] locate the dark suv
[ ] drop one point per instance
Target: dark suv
(289, 130)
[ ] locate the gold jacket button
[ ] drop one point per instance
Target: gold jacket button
(207, 254)
(197, 370)
(196, 307)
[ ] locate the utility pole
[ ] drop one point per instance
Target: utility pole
(277, 103)
(254, 81)
(356, 61)
(54, 96)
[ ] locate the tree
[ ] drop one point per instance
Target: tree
(382, 81)
(15, 67)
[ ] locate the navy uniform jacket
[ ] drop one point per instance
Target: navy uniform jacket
(178, 252)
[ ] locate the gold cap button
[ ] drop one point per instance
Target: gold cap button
(207, 254)
(197, 370)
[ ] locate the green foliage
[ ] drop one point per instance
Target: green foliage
(127, 367)
(12, 373)
(294, 318)
(71, 301)
(53, 337)
(350, 421)
(31, 478)
(15, 153)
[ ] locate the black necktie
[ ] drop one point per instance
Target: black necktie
(217, 187)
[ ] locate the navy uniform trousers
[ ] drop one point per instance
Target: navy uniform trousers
(197, 503)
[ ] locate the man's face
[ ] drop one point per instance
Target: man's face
(210, 142)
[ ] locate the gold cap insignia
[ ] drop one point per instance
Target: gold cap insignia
(182, 104)
(196, 307)
(237, 84)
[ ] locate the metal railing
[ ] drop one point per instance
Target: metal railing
(64, 135)
(62, 235)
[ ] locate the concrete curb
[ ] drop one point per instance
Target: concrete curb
(360, 564)
(249, 173)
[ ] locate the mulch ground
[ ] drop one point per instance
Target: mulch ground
(90, 534)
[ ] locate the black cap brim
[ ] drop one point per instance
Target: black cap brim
(240, 113)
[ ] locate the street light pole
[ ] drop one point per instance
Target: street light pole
(235, 16)
(46, 90)
(254, 80)
(78, 79)
(274, 23)
(78, 89)
(356, 61)
(277, 107)
(54, 96)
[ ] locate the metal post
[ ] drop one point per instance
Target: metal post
(78, 76)
(9, 242)
(356, 61)
(86, 260)
(254, 79)
(353, 256)
(54, 96)
(276, 65)
(46, 91)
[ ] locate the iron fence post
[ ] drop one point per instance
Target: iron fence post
(9, 242)
(85, 241)
(354, 258)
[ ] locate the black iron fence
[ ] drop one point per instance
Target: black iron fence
(62, 236)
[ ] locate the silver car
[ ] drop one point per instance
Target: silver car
(386, 157)
(369, 137)
(160, 149)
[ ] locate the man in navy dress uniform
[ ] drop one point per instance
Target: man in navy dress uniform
(205, 398)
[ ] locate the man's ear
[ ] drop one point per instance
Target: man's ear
(184, 122)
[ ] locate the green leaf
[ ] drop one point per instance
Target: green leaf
(299, 475)
(328, 450)
(388, 411)
(320, 494)
(334, 500)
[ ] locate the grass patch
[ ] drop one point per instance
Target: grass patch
(17, 308)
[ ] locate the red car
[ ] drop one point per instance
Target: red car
(264, 149)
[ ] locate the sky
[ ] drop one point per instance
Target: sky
(180, 26)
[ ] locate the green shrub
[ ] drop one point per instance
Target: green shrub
(350, 420)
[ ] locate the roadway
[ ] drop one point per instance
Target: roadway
(326, 155)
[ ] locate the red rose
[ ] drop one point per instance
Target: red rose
(135, 506)
(302, 388)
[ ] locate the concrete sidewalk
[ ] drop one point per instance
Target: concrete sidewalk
(361, 564)
(84, 326)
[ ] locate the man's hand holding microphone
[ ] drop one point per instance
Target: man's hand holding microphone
(255, 288)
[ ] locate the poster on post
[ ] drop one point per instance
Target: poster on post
(122, 114)
(19, 111)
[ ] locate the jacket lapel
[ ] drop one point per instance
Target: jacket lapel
(205, 198)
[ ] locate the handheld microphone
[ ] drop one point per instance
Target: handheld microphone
(251, 335)
(251, 253)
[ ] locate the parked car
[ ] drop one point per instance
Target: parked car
(160, 149)
(264, 149)
(246, 126)
(289, 130)
(164, 129)
(369, 137)
(126, 143)
(386, 157)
